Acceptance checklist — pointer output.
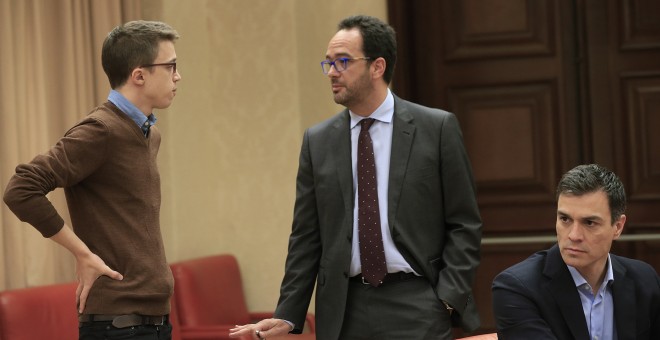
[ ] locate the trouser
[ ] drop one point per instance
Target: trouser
(406, 309)
(104, 330)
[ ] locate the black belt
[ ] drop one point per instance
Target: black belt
(389, 278)
(128, 320)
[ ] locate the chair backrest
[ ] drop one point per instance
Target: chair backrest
(37, 313)
(209, 291)
(174, 320)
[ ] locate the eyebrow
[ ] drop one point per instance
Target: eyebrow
(339, 55)
(593, 218)
(585, 218)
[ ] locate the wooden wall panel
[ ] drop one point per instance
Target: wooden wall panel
(648, 251)
(641, 94)
(510, 135)
(640, 24)
(494, 28)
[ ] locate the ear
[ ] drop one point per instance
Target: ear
(137, 76)
(378, 66)
(618, 225)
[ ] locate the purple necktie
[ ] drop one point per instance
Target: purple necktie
(372, 253)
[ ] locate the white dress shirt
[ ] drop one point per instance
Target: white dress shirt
(381, 135)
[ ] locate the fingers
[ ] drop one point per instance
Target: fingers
(270, 328)
(259, 331)
(241, 330)
(250, 330)
(89, 269)
(82, 298)
(78, 302)
(113, 274)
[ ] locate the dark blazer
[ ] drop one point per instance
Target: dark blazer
(537, 299)
(432, 212)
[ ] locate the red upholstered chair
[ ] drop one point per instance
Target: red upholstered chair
(174, 320)
(490, 336)
(210, 300)
(37, 313)
(46, 312)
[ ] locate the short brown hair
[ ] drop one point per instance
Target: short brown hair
(131, 45)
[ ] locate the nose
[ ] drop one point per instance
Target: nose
(575, 232)
(332, 72)
(177, 76)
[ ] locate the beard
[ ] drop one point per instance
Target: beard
(356, 92)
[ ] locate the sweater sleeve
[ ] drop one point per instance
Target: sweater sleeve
(72, 159)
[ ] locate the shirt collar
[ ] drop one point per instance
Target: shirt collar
(383, 113)
(579, 280)
(130, 110)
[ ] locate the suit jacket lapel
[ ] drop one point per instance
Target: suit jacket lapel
(562, 288)
(623, 294)
(340, 148)
(402, 138)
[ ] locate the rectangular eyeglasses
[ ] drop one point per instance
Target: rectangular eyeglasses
(172, 64)
(340, 64)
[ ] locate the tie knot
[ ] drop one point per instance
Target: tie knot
(366, 123)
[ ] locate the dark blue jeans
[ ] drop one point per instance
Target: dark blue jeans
(104, 330)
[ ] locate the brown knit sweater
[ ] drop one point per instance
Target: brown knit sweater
(110, 177)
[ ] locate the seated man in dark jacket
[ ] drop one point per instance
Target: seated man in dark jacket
(577, 289)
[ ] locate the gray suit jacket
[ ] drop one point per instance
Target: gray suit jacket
(433, 215)
(537, 299)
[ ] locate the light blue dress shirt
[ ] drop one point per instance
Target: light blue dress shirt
(131, 110)
(598, 308)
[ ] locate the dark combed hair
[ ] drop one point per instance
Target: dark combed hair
(378, 39)
(584, 179)
(132, 45)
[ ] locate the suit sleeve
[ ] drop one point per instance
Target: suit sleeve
(461, 254)
(304, 247)
(655, 329)
(516, 314)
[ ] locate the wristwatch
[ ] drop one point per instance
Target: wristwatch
(449, 308)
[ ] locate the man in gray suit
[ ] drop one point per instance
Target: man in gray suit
(428, 228)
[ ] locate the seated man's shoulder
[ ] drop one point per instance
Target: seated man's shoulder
(527, 270)
(635, 267)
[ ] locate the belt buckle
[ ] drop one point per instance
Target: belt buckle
(161, 322)
(365, 282)
(124, 321)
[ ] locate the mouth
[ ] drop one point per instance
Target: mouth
(574, 251)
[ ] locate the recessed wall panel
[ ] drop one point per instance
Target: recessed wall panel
(642, 95)
(510, 136)
(495, 28)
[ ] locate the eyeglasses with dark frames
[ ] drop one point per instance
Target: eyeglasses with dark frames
(172, 65)
(340, 64)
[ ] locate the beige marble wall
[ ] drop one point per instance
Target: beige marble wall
(251, 84)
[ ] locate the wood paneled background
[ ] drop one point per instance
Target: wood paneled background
(540, 86)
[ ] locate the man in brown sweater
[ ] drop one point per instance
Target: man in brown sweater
(107, 166)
